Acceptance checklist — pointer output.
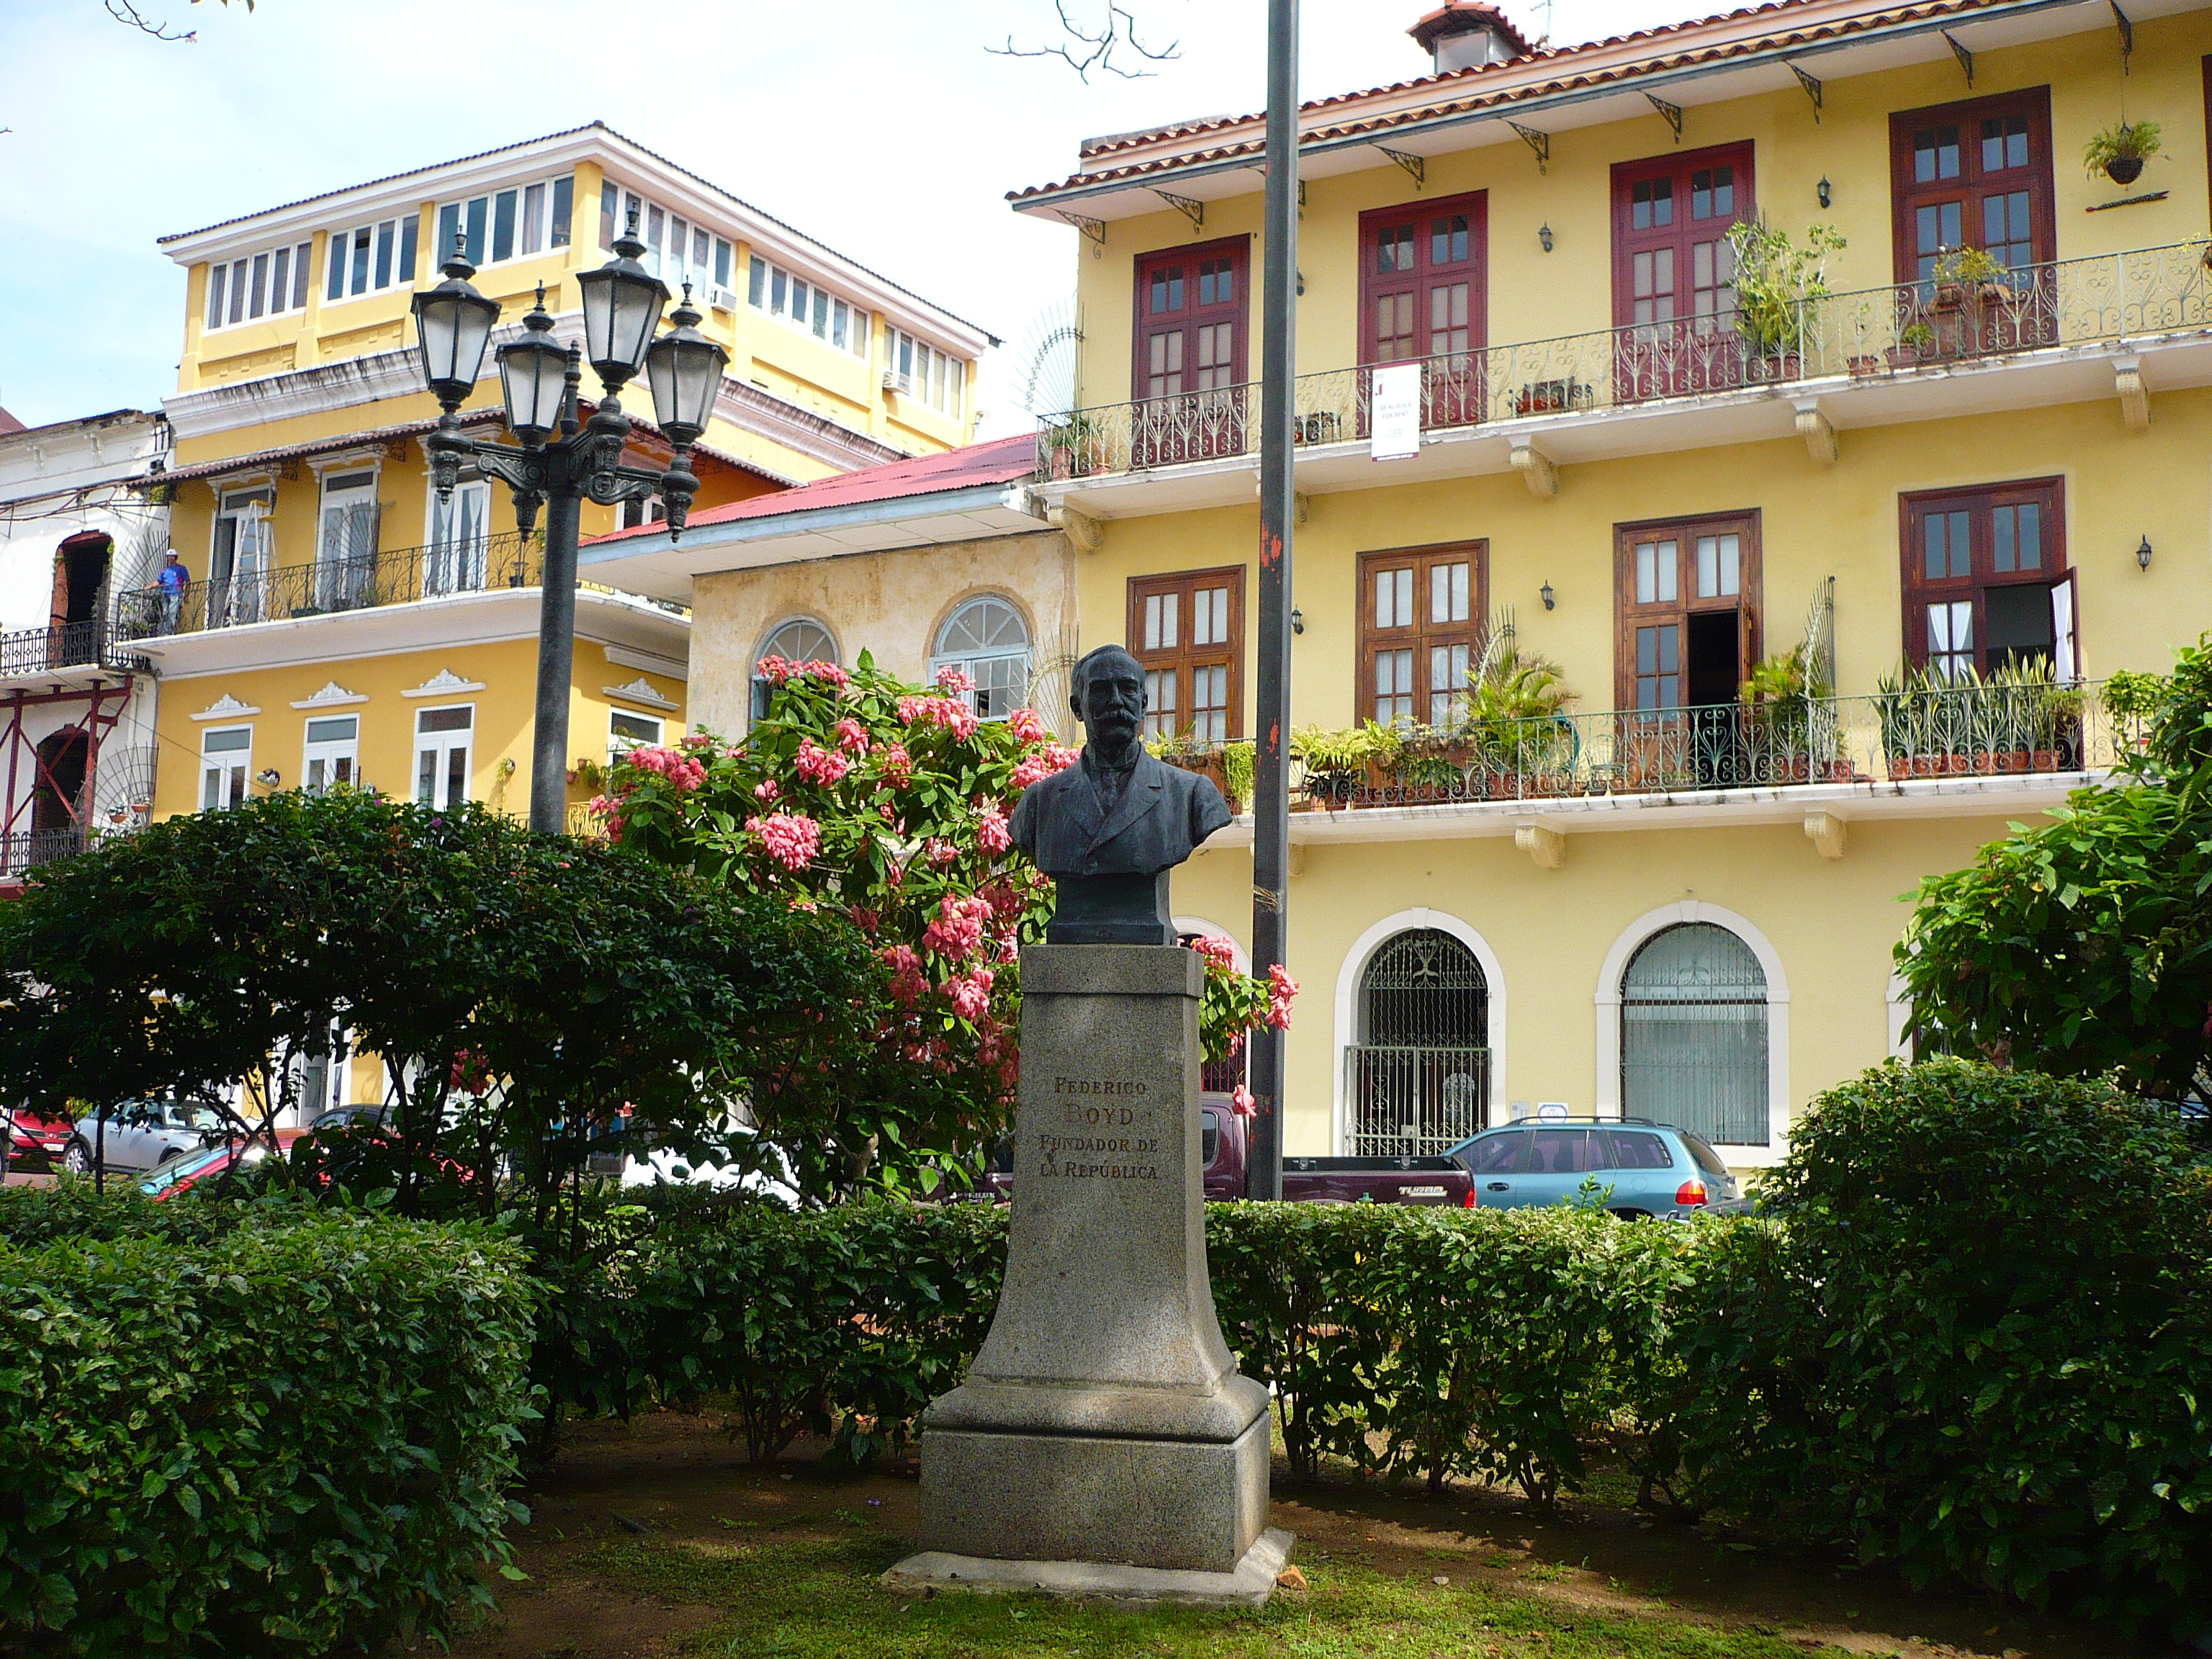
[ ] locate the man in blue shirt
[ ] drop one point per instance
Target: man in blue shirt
(175, 582)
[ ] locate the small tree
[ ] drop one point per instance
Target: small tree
(889, 804)
(2084, 946)
(529, 998)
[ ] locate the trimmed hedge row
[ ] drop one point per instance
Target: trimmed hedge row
(249, 1429)
(1974, 1342)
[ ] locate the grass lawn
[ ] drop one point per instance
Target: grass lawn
(656, 1538)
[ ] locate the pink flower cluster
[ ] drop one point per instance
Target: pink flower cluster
(970, 993)
(954, 716)
(1241, 1101)
(852, 736)
(819, 765)
(1042, 765)
(907, 982)
(992, 834)
(1218, 952)
(777, 671)
(1027, 724)
(680, 770)
(1281, 989)
(949, 678)
(791, 839)
(957, 932)
(768, 789)
(898, 765)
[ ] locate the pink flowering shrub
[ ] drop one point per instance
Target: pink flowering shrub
(892, 806)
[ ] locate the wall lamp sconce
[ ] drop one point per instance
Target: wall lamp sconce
(1297, 620)
(2142, 554)
(1826, 194)
(1302, 285)
(269, 777)
(1544, 235)
(1547, 595)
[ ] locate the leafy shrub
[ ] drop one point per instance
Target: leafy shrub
(229, 1429)
(1982, 1353)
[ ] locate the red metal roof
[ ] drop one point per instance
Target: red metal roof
(1001, 461)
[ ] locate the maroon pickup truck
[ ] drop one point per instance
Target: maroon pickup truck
(1221, 1151)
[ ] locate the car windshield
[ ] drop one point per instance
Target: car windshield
(189, 1117)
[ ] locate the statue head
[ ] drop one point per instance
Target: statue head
(1109, 696)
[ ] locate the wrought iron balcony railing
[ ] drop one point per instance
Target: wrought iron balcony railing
(72, 645)
(22, 850)
(362, 582)
(1979, 731)
(1875, 333)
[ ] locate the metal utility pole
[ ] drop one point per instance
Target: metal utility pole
(1271, 797)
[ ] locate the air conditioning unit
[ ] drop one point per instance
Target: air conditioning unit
(723, 300)
(894, 381)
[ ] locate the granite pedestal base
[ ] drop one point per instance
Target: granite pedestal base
(1104, 1421)
(1248, 1584)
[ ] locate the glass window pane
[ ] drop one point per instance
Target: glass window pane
(609, 207)
(280, 281)
(238, 276)
(477, 211)
(449, 230)
(218, 279)
(387, 239)
(502, 225)
(564, 194)
(1151, 621)
(533, 219)
(2031, 536)
(722, 252)
(1669, 585)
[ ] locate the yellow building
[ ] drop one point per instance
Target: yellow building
(1543, 414)
(341, 622)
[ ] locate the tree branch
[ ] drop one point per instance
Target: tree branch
(1093, 51)
(127, 13)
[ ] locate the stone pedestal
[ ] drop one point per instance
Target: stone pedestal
(1104, 1426)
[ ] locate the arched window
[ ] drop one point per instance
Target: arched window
(1419, 1074)
(988, 641)
(801, 640)
(1693, 1030)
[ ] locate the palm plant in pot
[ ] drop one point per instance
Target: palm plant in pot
(1778, 698)
(2119, 151)
(1524, 741)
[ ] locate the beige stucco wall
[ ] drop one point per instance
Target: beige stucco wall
(889, 604)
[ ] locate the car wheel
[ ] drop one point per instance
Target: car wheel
(78, 1159)
(169, 1155)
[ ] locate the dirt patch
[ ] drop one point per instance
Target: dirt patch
(677, 1479)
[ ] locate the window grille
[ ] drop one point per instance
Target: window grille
(1693, 1035)
(1419, 1079)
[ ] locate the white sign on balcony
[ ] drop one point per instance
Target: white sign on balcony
(1394, 412)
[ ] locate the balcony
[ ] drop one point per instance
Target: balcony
(330, 587)
(24, 850)
(36, 653)
(1967, 731)
(1893, 338)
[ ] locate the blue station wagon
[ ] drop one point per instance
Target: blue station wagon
(1642, 1168)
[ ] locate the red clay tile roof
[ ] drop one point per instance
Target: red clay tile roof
(10, 423)
(1001, 461)
(1474, 100)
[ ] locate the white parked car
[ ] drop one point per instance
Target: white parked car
(662, 1167)
(142, 1135)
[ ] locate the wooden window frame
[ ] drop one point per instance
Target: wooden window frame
(1237, 247)
(1422, 634)
(1184, 657)
(1476, 206)
(1917, 591)
(1904, 192)
(1741, 154)
(1749, 597)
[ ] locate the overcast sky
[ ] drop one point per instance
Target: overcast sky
(888, 131)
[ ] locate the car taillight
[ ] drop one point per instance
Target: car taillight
(1690, 1192)
(1467, 1203)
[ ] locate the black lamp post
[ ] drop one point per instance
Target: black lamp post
(562, 459)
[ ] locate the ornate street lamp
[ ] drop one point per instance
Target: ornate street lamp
(562, 459)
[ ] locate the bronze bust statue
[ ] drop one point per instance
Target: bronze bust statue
(1109, 829)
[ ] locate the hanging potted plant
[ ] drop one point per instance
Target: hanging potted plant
(1777, 284)
(2119, 151)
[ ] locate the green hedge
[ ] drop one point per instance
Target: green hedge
(1974, 1341)
(232, 1429)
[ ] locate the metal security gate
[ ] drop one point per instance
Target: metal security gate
(1693, 1035)
(1419, 1079)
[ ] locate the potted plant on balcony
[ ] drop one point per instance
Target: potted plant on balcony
(1522, 740)
(1776, 698)
(1192, 754)
(2119, 151)
(1076, 447)
(1968, 283)
(1336, 762)
(1777, 284)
